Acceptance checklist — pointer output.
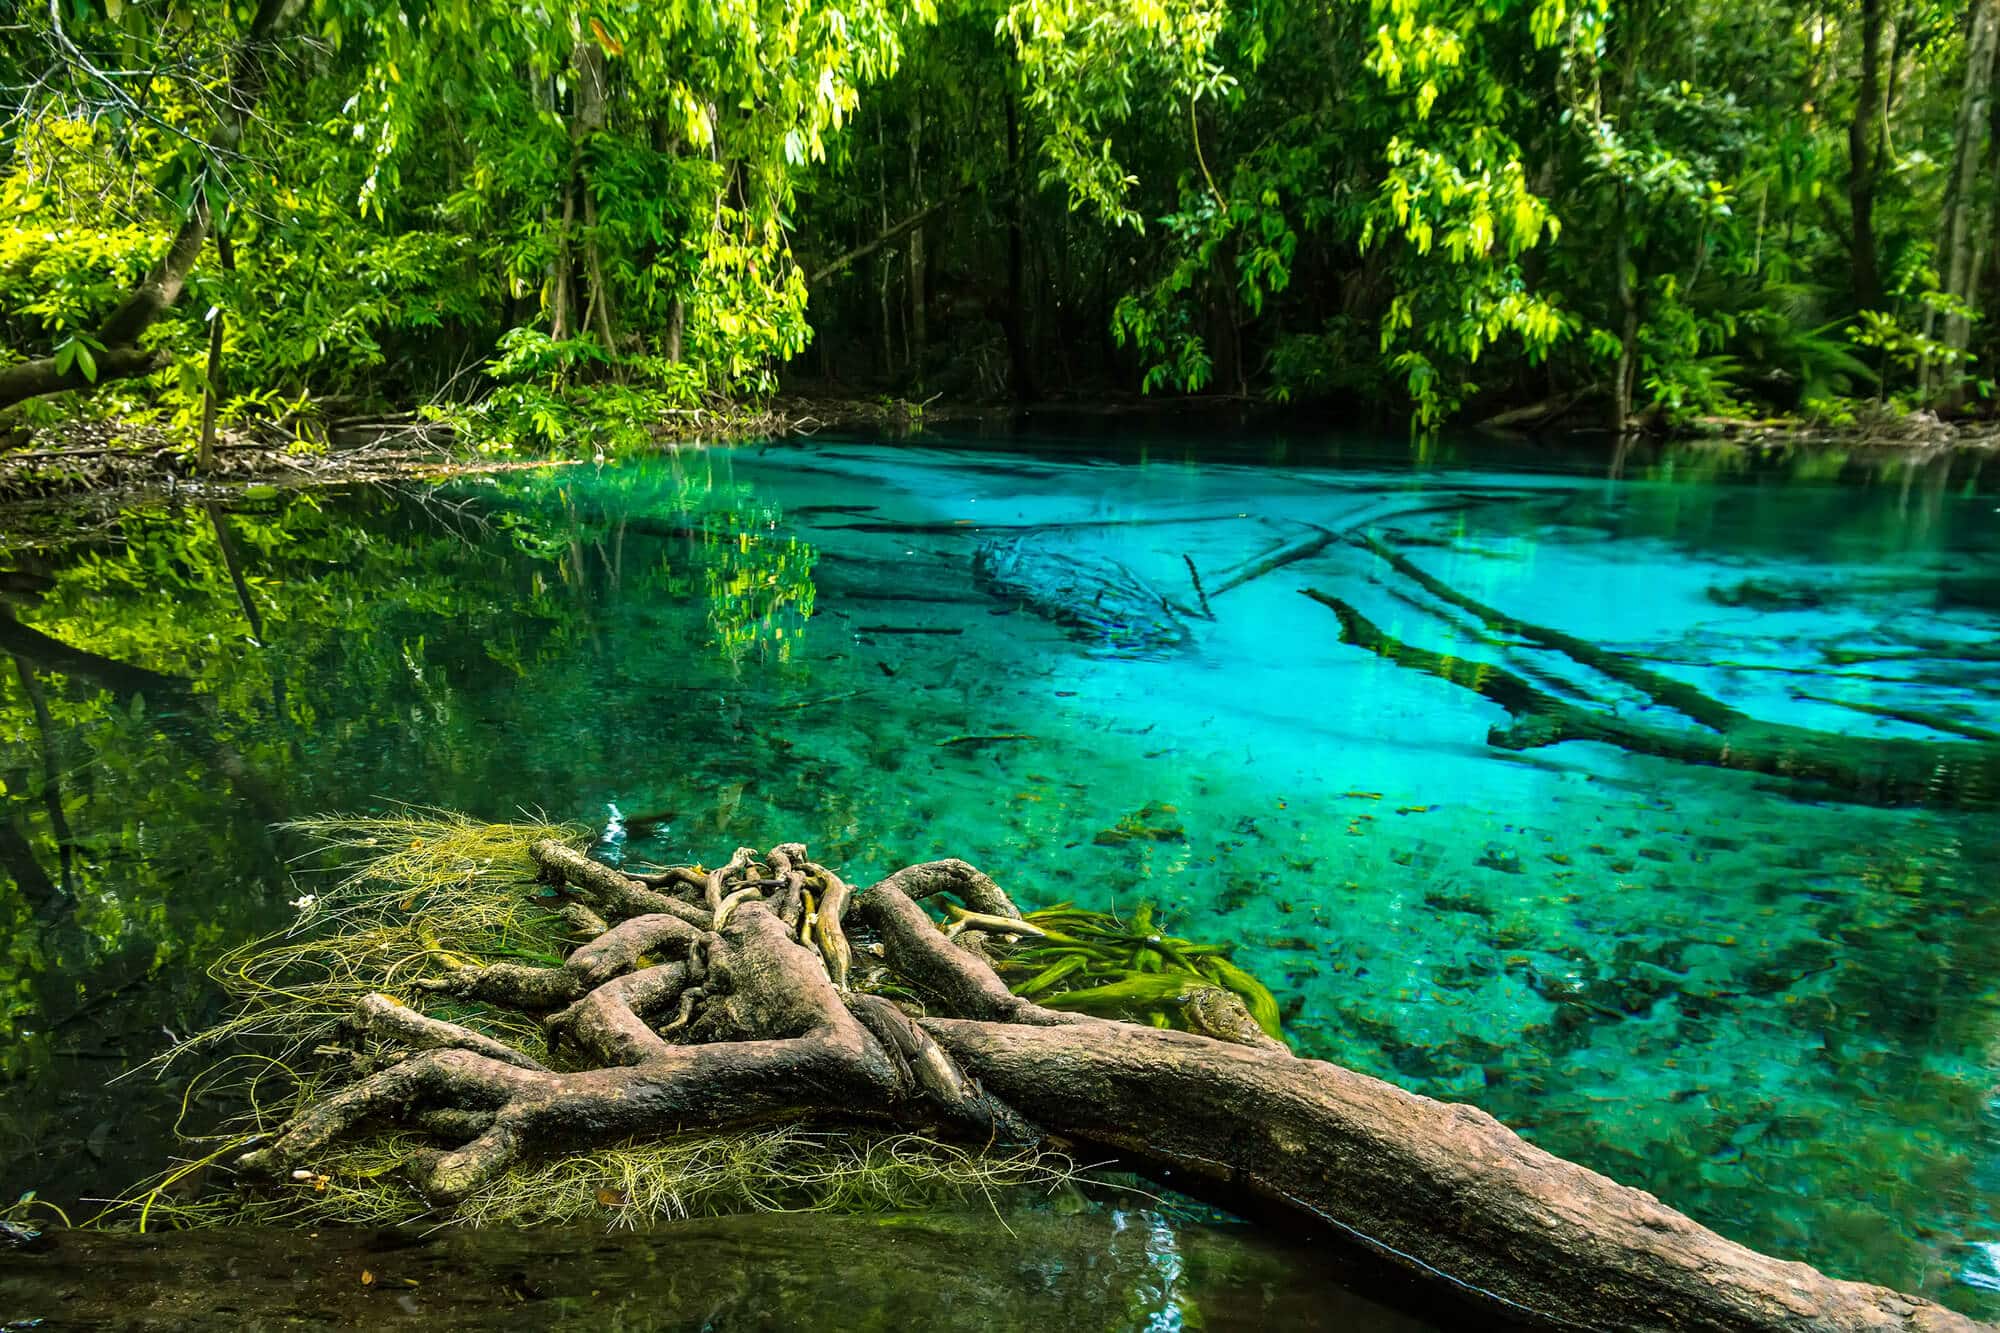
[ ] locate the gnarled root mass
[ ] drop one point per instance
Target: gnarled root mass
(766, 991)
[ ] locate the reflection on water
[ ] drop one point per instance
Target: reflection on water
(985, 1272)
(1094, 673)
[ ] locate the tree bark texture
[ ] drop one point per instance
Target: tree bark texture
(728, 997)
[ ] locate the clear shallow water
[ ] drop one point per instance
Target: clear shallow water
(1776, 1011)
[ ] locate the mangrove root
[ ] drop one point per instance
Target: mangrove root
(725, 998)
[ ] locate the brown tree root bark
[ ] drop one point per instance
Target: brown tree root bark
(730, 1006)
(1875, 770)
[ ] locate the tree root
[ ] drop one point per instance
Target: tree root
(767, 1028)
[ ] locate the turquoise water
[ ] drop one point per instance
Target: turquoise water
(1773, 1007)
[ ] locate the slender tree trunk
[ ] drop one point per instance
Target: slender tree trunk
(591, 113)
(1987, 272)
(559, 299)
(1019, 359)
(571, 312)
(1628, 319)
(1630, 35)
(880, 239)
(667, 142)
(886, 264)
(1864, 144)
(244, 601)
(676, 325)
(915, 282)
(211, 394)
(600, 290)
(1960, 238)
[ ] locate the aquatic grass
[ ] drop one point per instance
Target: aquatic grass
(783, 1169)
(788, 1168)
(407, 883)
(1096, 963)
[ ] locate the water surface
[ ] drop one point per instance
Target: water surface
(1774, 1008)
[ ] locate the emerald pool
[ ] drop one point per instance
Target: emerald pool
(1085, 664)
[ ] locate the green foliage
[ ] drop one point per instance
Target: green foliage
(1908, 344)
(420, 180)
(1090, 69)
(1445, 204)
(549, 397)
(1096, 963)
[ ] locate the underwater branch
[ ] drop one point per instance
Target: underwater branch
(1876, 770)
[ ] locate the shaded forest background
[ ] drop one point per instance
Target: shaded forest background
(563, 224)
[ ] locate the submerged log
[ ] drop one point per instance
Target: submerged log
(1872, 769)
(1095, 597)
(721, 998)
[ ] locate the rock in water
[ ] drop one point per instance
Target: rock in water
(1096, 598)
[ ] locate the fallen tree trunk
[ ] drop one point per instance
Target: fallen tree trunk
(724, 997)
(1441, 1189)
(37, 378)
(1872, 769)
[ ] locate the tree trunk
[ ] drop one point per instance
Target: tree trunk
(1630, 34)
(164, 283)
(880, 239)
(227, 548)
(33, 379)
(1019, 359)
(211, 392)
(17, 858)
(1864, 145)
(766, 1026)
(591, 111)
(52, 773)
(919, 336)
(164, 696)
(1628, 320)
(560, 300)
(885, 266)
(1959, 240)
(1441, 1189)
